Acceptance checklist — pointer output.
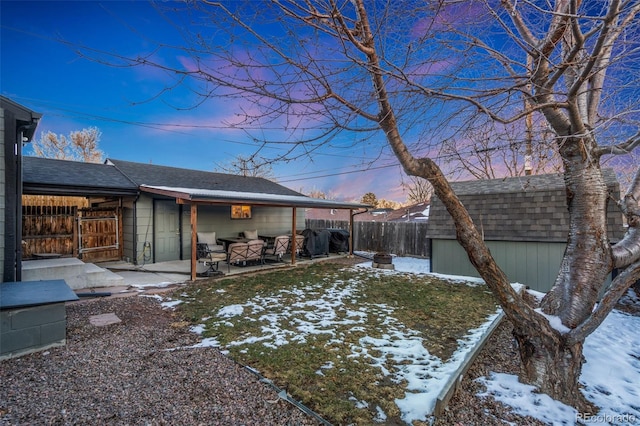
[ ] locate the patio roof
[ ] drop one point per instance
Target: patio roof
(211, 196)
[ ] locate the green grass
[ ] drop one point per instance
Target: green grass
(328, 365)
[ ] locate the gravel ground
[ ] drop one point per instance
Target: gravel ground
(126, 373)
(139, 371)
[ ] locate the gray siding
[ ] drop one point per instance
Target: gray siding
(144, 229)
(127, 231)
(267, 220)
(535, 264)
(3, 184)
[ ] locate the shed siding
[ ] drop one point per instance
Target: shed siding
(534, 264)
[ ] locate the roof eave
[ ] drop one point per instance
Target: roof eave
(187, 197)
(41, 189)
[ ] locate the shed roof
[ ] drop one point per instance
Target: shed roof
(525, 208)
(62, 177)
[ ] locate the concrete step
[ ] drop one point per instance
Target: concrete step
(76, 273)
(99, 277)
(51, 269)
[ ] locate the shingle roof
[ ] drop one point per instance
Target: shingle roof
(202, 186)
(528, 208)
(508, 185)
(60, 177)
(156, 175)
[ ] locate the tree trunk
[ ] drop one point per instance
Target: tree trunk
(552, 366)
(587, 260)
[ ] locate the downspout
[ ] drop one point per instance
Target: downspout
(20, 140)
(134, 258)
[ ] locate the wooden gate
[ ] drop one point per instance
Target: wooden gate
(99, 234)
(91, 234)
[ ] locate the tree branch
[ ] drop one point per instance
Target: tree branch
(622, 148)
(618, 287)
(627, 250)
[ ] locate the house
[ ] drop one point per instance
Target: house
(17, 127)
(524, 221)
(418, 212)
(160, 209)
(32, 314)
(415, 212)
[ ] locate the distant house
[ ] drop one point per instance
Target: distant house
(524, 221)
(335, 215)
(415, 212)
(17, 127)
(163, 207)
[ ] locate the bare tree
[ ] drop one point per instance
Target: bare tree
(415, 72)
(248, 166)
(80, 145)
(419, 190)
(493, 150)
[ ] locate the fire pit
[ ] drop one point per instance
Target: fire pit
(382, 260)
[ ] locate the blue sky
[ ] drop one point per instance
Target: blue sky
(72, 93)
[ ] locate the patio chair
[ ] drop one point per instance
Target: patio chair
(255, 250)
(299, 244)
(243, 252)
(208, 241)
(280, 247)
(209, 252)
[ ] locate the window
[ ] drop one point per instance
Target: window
(240, 212)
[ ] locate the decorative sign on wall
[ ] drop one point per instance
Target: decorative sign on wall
(240, 212)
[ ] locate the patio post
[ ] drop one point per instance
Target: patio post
(350, 232)
(293, 236)
(194, 240)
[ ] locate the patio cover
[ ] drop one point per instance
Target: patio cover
(211, 196)
(196, 196)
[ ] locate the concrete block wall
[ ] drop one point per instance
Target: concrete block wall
(32, 329)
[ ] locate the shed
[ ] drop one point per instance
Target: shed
(524, 221)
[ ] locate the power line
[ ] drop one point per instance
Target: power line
(168, 127)
(341, 173)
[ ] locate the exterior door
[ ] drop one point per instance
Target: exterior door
(166, 218)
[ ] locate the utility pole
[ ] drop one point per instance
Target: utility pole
(528, 122)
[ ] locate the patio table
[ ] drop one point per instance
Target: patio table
(231, 240)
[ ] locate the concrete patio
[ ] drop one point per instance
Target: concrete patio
(122, 278)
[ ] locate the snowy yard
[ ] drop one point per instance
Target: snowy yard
(611, 375)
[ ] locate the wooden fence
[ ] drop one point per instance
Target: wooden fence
(48, 230)
(400, 238)
(91, 234)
